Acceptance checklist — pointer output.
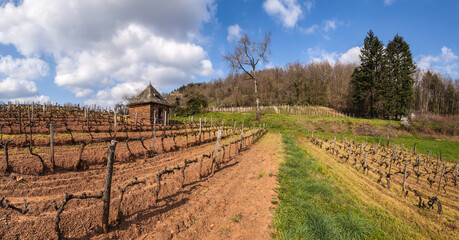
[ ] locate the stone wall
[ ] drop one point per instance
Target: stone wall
(146, 112)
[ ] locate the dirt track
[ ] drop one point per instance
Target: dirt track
(202, 209)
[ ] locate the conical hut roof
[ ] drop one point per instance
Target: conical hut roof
(148, 95)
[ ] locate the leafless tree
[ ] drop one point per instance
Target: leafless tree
(246, 56)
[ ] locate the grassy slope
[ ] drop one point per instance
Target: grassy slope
(345, 127)
(312, 206)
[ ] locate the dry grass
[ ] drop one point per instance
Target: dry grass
(410, 221)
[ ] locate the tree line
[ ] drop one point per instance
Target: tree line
(387, 84)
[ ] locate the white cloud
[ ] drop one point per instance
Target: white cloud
(13, 88)
(445, 62)
(447, 55)
(310, 30)
(105, 44)
(388, 2)
(320, 55)
(351, 56)
(234, 33)
(19, 74)
(24, 68)
(329, 25)
(287, 11)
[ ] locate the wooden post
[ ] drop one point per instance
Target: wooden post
(51, 144)
(154, 134)
(108, 185)
(114, 124)
(441, 176)
(404, 178)
(20, 120)
(200, 128)
(165, 118)
(219, 138)
(436, 167)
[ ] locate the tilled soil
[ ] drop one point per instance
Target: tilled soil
(233, 203)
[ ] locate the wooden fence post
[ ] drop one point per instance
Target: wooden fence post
(108, 185)
(51, 144)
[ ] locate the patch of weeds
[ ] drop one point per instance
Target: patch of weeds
(261, 175)
(274, 202)
(236, 218)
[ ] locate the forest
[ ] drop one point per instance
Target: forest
(387, 84)
(318, 83)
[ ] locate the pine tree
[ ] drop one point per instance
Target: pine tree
(400, 67)
(369, 76)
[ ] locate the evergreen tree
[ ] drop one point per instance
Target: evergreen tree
(400, 79)
(369, 76)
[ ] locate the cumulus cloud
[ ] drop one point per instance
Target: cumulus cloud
(444, 62)
(287, 11)
(12, 88)
(100, 45)
(24, 68)
(19, 74)
(234, 33)
(351, 56)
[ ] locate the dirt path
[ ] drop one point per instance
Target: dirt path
(234, 204)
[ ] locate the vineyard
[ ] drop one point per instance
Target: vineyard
(283, 109)
(427, 185)
(62, 181)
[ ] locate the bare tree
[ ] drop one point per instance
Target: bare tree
(246, 56)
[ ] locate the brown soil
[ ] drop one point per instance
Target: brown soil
(207, 208)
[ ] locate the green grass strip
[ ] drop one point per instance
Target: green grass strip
(311, 206)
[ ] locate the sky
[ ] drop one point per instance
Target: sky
(95, 52)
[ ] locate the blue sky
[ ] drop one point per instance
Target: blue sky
(94, 52)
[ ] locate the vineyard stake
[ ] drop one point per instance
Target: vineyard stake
(441, 176)
(51, 143)
(200, 129)
(219, 138)
(108, 185)
(154, 134)
(404, 178)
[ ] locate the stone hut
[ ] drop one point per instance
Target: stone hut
(148, 105)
